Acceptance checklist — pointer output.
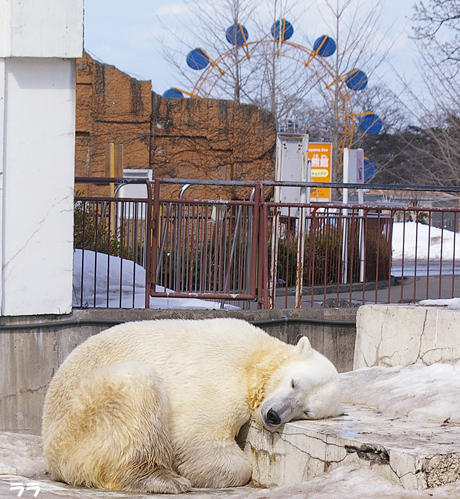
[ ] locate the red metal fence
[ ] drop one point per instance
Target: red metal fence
(130, 251)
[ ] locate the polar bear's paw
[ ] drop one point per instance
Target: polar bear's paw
(164, 481)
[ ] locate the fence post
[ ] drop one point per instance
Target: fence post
(264, 274)
(154, 234)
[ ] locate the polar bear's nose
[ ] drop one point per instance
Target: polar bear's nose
(273, 418)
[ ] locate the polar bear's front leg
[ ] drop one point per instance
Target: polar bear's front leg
(215, 464)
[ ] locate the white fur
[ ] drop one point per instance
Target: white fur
(155, 406)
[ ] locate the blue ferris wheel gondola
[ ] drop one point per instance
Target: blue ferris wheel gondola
(282, 30)
(325, 46)
(237, 35)
(197, 59)
(370, 124)
(173, 93)
(356, 80)
(369, 170)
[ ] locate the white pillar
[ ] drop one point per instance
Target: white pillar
(39, 42)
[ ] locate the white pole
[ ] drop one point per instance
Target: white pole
(361, 235)
(301, 224)
(275, 226)
(346, 156)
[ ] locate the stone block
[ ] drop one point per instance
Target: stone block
(391, 335)
(413, 454)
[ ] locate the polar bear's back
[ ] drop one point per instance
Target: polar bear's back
(162, 342)
(186, 354)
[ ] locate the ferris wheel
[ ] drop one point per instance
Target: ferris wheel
(242, 71)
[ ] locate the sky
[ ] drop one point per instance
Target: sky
(130, 35)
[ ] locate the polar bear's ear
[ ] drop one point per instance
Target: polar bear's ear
(303, 347)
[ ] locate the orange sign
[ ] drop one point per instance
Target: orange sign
(320, 156)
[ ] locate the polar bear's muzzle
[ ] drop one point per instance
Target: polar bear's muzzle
(277, 411)
(273, 418)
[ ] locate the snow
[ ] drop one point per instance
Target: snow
(345, 482)
(427, 238)
(450, 303)
(125, 282)
(426, 393)
(352, 482)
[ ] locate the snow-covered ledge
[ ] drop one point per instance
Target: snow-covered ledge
(392, 335)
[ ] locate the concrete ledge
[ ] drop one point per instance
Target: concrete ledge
(415, 455)
(392, 335)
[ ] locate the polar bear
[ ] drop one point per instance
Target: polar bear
(155, 406)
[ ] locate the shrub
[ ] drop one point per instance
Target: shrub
(323, 255)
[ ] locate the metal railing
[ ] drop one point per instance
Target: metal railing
(205, 248)
(129, 251)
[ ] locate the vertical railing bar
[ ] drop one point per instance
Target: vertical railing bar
(453, 253)
(148, 224)
(313, 232)
(351, 228)
(82, 280)
(403, 249)
(95, 253)
(440, 257)
(390, 242)
(339, 259)
(416, 258)
(264, 273)
(365, 230)
(428, 256)
(121, 251)
(135, 247)
(111, 208)
(153, 234)
(377, 257)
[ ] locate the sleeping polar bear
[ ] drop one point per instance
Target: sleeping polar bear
(155, 406)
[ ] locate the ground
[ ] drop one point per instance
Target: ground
(347, 482)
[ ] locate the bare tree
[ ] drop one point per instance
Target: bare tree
(435, 149)
(437, 28)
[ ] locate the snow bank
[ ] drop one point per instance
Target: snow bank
(450, 303)
(349, 482)
(426, 238)
(428, 393)
(112, 282)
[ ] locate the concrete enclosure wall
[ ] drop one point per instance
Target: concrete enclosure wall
(39, 114)
(32, 349)
(396, 335)
(39, 42)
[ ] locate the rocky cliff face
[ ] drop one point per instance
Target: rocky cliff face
(178, 138)
(211, 139)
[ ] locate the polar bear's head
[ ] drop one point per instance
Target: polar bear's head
(305, 387)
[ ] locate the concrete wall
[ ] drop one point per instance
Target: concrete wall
(33, 348)
(41, 28)
(39, 41)
(39, 124)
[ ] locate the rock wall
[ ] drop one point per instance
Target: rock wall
(111, 107)
(178, 138)
(212, 139)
